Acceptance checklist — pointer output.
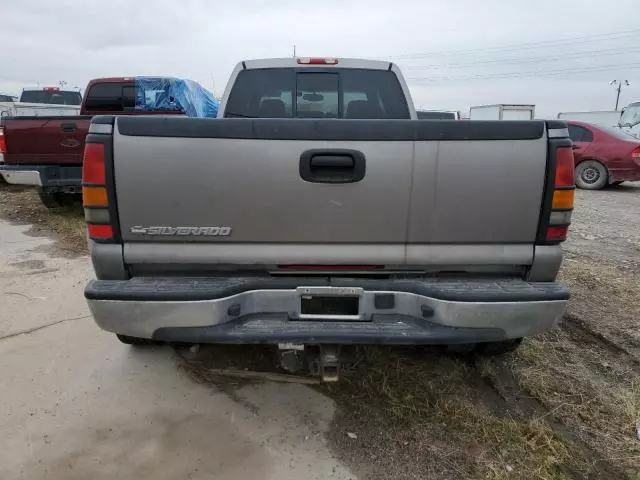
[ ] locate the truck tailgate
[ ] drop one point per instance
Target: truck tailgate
(45, 140)
(187, 184)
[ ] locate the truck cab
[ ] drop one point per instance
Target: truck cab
(630, 119)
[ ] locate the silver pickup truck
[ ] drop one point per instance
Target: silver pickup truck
(320, 211)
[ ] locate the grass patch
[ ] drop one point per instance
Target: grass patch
(22, 205)
(440, 412)
(592, 389)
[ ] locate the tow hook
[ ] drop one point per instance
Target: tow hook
(321, 361)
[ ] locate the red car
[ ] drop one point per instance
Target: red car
(603, 155)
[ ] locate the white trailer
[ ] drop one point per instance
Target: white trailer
(502, 111)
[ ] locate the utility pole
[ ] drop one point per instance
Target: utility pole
(294, 50)
(617, 84)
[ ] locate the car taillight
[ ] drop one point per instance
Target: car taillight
(317, 61)
(634, 155)
(563, 196)
(95, 196)
(3, 143)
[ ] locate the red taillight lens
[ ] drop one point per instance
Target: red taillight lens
(565, 169)
(3, 144)
(557, 234)
(100, 232)
(563, 195)
(93, 164)
(635, 154)
(95, 196)
(317, 61)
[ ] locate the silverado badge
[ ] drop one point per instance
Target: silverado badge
(181, 231)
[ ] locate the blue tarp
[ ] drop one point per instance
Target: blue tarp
(167, 93)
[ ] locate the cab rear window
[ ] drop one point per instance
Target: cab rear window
(310, 93)
(111, 97)
(53, 97)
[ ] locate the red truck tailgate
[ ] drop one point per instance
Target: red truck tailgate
(45, 140)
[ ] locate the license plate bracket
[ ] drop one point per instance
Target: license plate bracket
(330, 303)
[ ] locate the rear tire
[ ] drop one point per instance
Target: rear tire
(136, 341)
(591, 175)
(490, 349)
(53, 200)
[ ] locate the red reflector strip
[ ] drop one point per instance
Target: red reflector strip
(307, 267)
(565, 175)
(318, 61)
(93, 164)
(100, 232)
(557, 234)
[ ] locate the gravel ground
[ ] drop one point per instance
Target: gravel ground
(606, 226)
(602, 263)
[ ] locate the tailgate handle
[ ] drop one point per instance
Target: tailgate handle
(332, 166)
(332, 161)
(68, 127)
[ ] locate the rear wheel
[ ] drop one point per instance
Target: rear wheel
(490, 349)
(486, 349)
(591, 175)
(53, 200)
(135, 340)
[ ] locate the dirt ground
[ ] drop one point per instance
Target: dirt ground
(566, 405)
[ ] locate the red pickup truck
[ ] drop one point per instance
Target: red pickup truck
(46, 152)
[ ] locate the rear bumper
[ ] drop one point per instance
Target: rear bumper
(47, 176)
(246, 310)
(631, 174)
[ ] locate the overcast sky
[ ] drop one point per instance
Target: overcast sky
(455, 54)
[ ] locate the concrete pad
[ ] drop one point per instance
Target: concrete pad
(77, 404)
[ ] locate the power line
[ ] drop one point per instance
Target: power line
(523, 46)
(550, 73)
(525, 60)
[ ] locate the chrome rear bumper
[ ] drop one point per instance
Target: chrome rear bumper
(407, 313)
(21, 177)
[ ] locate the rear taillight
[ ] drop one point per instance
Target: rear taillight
(563, 196)
(557, 234)
(317, 61)
(3, 143)
(95, 196)
(635, 155)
